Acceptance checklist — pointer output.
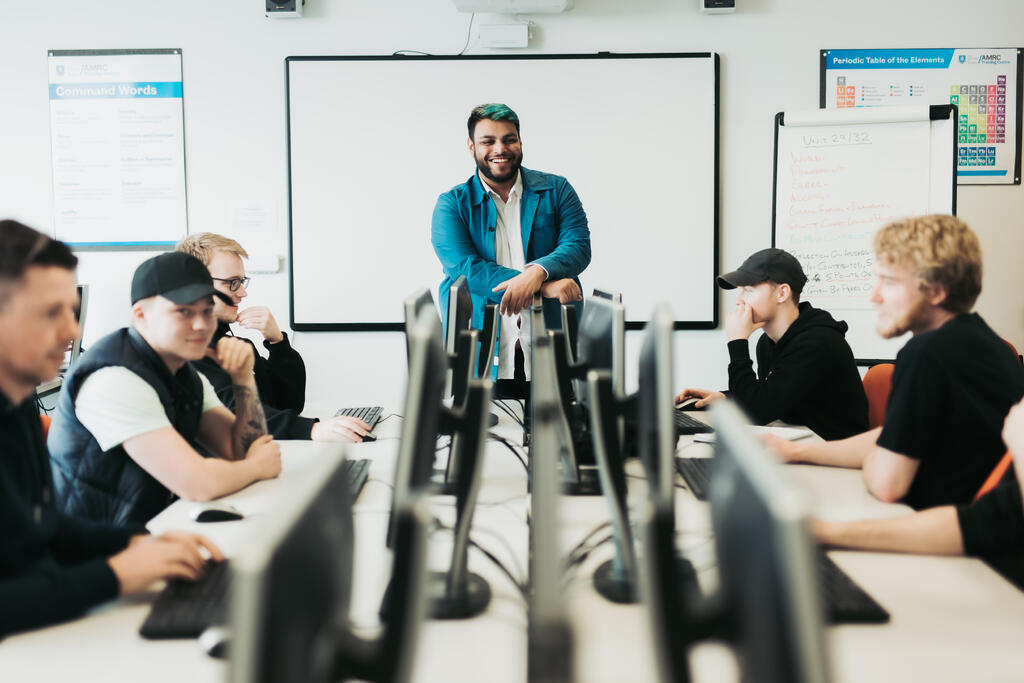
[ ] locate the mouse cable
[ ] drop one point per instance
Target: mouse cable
(511, 447)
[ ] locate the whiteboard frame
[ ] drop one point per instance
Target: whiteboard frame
(640, 316)
(936, 112)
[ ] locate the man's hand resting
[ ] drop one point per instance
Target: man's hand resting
(565, 290)
(520, 289)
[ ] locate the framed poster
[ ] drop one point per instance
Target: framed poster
(118, 148)
(983, 83)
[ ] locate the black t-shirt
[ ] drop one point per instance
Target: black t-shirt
(951, 390)
(993, 528)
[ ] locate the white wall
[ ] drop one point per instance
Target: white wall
(235, 131)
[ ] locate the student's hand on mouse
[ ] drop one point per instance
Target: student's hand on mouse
(519, 290)
(265, 454)
(260, 318)
(565, 290)
(147, 559)
(705, 396)
(235, 357)
(340, 428)
(739, 323)
(787, 451)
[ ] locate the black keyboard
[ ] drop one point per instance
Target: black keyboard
(186, 608)
(685, 424)
(358, 471)
(845, 601)
(696, 472)
(368, 414)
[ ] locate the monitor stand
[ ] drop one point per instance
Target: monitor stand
(454, 604)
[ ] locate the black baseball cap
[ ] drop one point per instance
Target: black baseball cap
(768, 264)
(174, 275)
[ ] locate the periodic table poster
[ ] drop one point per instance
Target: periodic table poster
(983, 83)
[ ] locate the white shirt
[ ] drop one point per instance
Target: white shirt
(509, 252)
(115, 405)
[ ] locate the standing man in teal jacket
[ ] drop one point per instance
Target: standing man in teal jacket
(513, 233)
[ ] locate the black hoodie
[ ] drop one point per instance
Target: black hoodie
(808, 377)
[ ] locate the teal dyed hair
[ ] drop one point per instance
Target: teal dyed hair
(493, 112)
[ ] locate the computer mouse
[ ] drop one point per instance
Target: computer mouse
(369, 438)
(215, 641)
(689, 404)
(216, 512)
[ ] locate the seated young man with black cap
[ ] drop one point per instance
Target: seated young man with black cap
(53, 566)
(806, 373)
(134, 415)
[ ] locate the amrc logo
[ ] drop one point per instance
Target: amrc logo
(94, 68)
(992, 59)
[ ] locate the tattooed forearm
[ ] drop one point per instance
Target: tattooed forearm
(250, 422)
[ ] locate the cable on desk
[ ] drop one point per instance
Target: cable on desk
(508, 548)
(521, 586)
(500, 403)
(584, 553)
(389, 415)
(593, 532)
(508, 445)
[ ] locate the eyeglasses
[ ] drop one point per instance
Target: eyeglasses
(233, 283)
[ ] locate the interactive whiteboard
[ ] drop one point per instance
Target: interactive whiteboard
(373, 141)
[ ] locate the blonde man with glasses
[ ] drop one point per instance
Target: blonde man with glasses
(281, 376)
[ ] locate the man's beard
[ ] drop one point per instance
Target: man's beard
(913, 319)
(486, 170)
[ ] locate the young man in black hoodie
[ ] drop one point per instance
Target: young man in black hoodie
(806, 373)
(53, 566)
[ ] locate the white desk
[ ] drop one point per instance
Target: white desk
(953, 619)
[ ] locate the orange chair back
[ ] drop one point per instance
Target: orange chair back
(877, 385)
(1014, 349)
(996, 475)
(46, 420)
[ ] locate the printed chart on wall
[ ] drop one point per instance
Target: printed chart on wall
(117, 146)
(983, 83)
(840, 175)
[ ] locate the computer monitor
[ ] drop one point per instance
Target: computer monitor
(549, 636)
(83, 306)
(488, 341)
(602, 342)
(544, 390)
(290, 594)
(571, 325)
(655, 423)
(459, 593)
(461, 343)
(615, 579)
(608, 295)
(766, 563)
(416, 302)
(417, 444)
(767, 604)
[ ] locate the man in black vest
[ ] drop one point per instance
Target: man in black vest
(53, 566)
(134, 416)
